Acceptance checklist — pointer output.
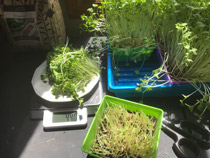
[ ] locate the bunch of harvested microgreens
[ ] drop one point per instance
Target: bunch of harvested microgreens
(69, 71)
(125, 134)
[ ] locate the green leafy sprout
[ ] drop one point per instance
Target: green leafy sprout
(201, 105)
(154, 80)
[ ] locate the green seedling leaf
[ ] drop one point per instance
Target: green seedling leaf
(90, 10)
(81, 100)
(190, 107)
(189, 60)
(82, 17)
(141, 79)
(187, 46)
(139, 89)
(185, 96)
(206, 98)
(148, 89)
(182, 102)
(201, 106)
(95, 5)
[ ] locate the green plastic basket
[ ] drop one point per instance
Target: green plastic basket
(130, 106)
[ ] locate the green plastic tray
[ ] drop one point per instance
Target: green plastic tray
(131, 106)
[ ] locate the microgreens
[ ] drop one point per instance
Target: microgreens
(184, 33)
(128, 24)
(125, 134)
(179, 28)
(69, 71)
(201, 105)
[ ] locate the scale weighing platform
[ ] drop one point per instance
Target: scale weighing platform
(67, 114)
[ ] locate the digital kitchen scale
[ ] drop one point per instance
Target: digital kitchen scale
(70, 118)
(59, 115)
(64, 112)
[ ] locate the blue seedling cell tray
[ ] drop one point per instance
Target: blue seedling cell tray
(124, 82)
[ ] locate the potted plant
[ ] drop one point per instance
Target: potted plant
(123, 128)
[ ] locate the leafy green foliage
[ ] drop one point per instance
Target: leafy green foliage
(186, 39)
(180, 28)
(128, 23)
(201, 105)
(125, 134)
(183, 32)
(95, 21)
(69, 71)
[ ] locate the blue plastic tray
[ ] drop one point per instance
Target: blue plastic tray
(124, 82)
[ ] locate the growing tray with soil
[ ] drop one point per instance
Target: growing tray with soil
(125, 134)
(123, 128)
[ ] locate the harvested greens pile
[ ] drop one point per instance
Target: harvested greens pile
(69, 71)
(125, 134)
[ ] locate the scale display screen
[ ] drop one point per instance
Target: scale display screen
(64, 117)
